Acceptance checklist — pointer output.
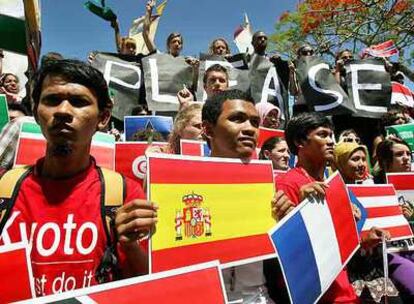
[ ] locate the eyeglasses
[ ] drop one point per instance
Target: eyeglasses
(306, 52)
(352, 139)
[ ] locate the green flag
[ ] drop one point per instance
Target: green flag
(100, 10)
(405, 132)
(4, 112)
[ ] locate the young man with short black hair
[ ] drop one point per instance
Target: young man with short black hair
(58, 208)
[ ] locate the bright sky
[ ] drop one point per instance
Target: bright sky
(69, 28)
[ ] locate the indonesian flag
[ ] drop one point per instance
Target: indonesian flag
(210, 208)
(382, 209)
(243, 37)
(385, 49)
(32, 146)
(137, 27)
(401, 94)
(200, 283)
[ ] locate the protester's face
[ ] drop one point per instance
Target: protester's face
(216, 82)
(68, 112)
(11, 84)
(351, 137)
(235, 133)
(401, 159)
(175, 45)
(272, 120)
(13, 114)
(193, 129)
(346, 56)
(219, 48)
(400, 119)
(129, 48)
(260, 42)
(279, 156)
(319, 145)
(356, 167)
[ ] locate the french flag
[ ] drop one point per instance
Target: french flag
(382, 210)
(315, 241)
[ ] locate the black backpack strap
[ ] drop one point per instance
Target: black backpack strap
(9, 189)
(113, 192)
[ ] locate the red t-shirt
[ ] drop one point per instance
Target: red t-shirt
(341, 290)
(62, 221)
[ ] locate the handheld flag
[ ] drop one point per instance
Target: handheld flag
(194, 147)
(32, 146)
(383, 210)
(401, 94)
(315, 241)
(16, 267)
(405, 132)
(243, 36)
(201, 283)
(100, 10)
(205, 204)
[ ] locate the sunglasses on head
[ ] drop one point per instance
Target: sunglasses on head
(350, 140)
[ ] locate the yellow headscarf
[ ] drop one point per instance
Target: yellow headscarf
(343, 151)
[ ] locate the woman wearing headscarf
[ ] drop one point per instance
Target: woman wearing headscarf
(269, 115)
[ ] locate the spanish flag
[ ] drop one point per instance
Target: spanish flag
(209, 208)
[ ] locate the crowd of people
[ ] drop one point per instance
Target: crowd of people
(64, 190)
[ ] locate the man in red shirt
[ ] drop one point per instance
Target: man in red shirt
(310, 137)
(58, 206)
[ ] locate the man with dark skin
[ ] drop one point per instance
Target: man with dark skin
(71, 103)
(259, 42)
(231, 125)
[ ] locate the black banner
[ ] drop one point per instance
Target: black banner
(369, 87)
(320, 89)
(164, 76)
(124, 77)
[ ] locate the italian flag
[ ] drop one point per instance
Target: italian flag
(32, 146)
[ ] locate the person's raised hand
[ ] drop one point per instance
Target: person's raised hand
(281, 205)
(313, 190)
(185, 97)
(374, 237)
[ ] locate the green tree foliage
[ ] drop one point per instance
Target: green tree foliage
(332, 25)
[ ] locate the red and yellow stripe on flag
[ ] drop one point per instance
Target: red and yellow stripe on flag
(198, 284)
(210, 208)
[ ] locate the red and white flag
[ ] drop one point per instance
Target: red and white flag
(382, 210)
(243, 37)
(401, 94)
(130, 159)
(385, 49)
(200, 283)
(194, 147)
(266, 133)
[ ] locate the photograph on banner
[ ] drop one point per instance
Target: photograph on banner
(157, 128)
(380, 207)
(164, 76)
(317, 238)
(31, 146)
(405, 132)
(130, 159)
(369, 87)
(201, 283)
(205, 204)
(16, 270)
(123, 75)
(194, 147)
(237, 70)
(320, 89)
(4, 112)
(404, 186)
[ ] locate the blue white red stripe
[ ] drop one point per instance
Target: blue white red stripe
(315, 242)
